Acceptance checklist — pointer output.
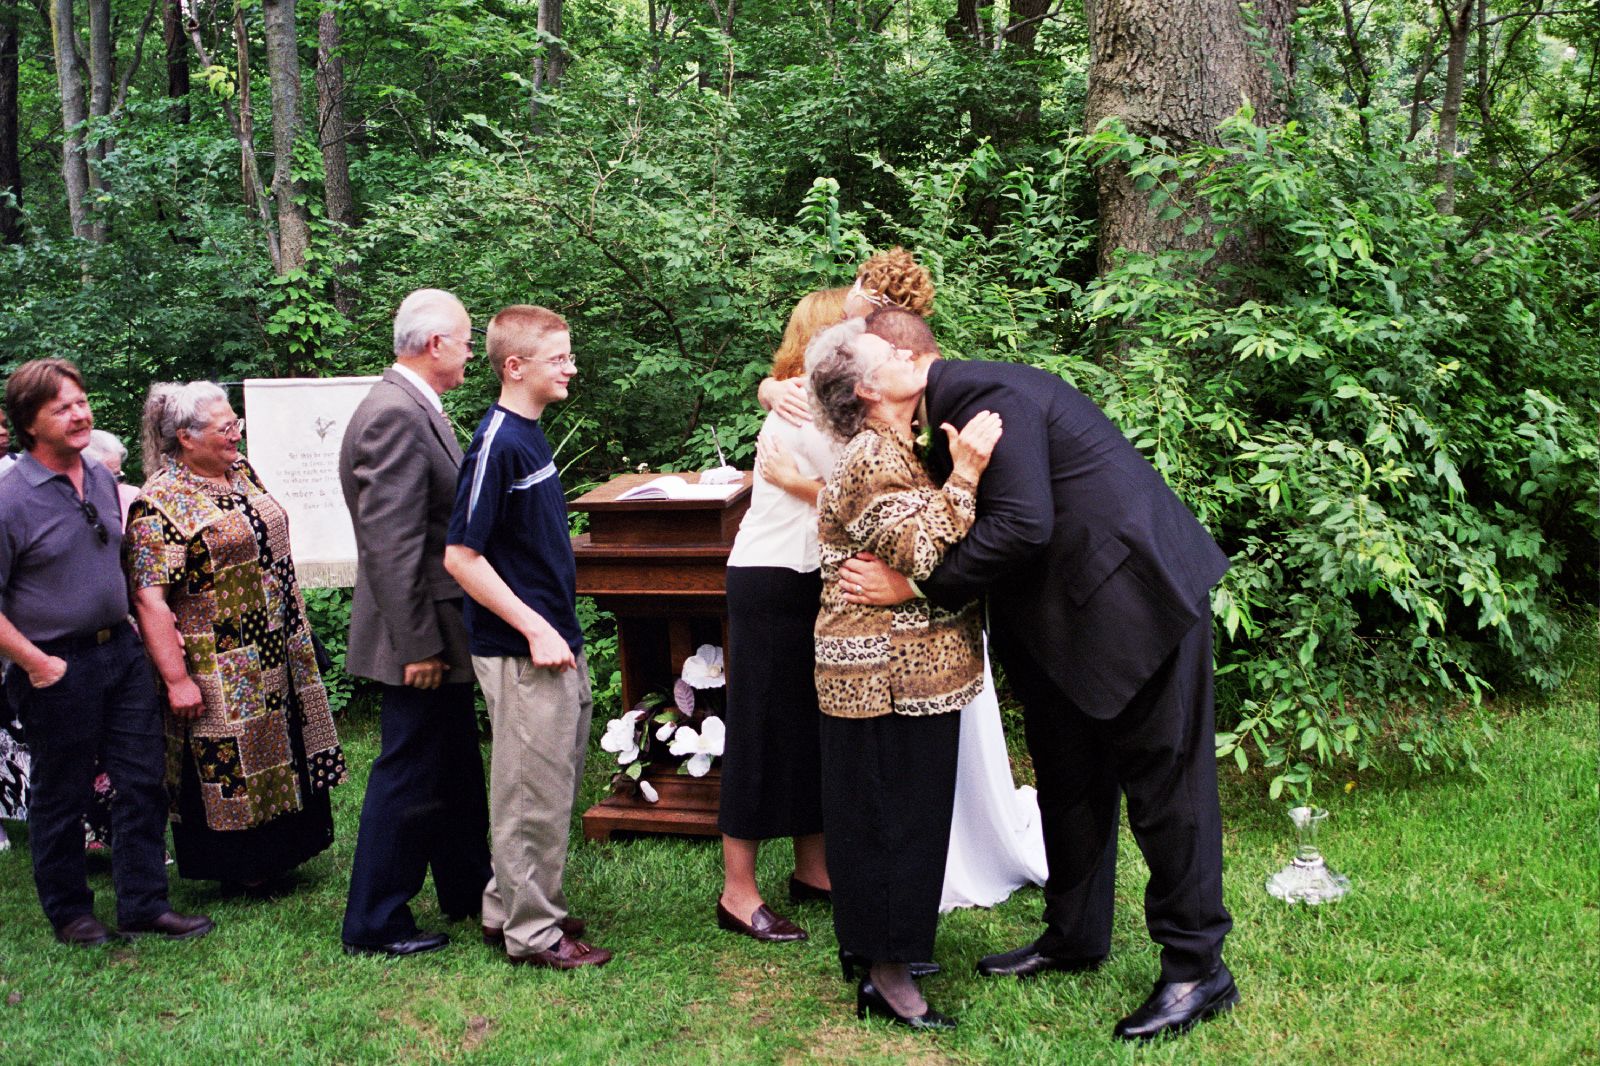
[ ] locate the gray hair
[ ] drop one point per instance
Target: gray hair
(104, 445)
(833, 371)
(169, 408)
(424, 314)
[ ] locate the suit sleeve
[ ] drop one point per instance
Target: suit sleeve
(1016, 510)
(389, 470)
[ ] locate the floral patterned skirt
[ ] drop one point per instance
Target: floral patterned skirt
(15, 768)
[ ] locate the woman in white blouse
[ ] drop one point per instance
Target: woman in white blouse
(772, 764)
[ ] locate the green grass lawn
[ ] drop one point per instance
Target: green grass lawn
(1471, 936)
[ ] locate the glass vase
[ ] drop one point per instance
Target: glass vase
(1307, 878)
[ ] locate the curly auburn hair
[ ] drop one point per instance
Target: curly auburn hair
(900, 279)
(815, 312)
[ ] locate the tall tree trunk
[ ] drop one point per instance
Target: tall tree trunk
(255, 195)
(177, 56)
(69, 80)
(1023, 21)
(550, 62)
(332, 136)
(102, 58)
(283, 71)
(1458, 17)
(331, 132)
(1176, 69)
(102, 55)
(10, 160)
(1358, 72)
(971, 22)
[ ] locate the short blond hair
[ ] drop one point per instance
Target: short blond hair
(519, 330)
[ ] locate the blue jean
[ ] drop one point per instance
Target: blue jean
(105, 705)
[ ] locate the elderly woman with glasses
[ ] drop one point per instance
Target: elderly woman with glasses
(889, 678)
(252, 748)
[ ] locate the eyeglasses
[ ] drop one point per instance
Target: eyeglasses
(92, 516)
(555, 364)
(228, 429)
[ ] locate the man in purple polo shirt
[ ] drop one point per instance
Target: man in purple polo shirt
(79, 679)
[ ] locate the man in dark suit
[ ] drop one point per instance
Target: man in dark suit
(1098, 579)
(426, 804)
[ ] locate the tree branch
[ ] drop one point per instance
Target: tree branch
(1586, 208)
(138, 54)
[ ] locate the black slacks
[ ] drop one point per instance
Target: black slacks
(425, 806)
(106, 706)
(1160, 752)
(888, 788)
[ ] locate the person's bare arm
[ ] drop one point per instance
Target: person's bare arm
(42, 670)
(868, 579)
(478, 579)
(778, 467)
(158, 628)
(789, 398)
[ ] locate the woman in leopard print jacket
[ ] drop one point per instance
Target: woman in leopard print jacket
(888, 676)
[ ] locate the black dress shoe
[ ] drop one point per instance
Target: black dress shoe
(1178, 1006)
(415, 944)
(763, 925)
(85, 931)
(173, 926)
(805, 892)
(850, 963)
(1029, 961)
(870, 1001)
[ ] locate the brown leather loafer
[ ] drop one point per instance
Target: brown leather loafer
(173, 926)
(763, 925)
(568, 953)
(85, 931)
(495, 937)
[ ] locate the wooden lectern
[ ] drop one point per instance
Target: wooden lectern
(657, 565)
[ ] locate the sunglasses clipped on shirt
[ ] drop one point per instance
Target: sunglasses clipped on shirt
(91, 515)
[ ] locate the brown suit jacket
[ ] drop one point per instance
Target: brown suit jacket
(397, 467)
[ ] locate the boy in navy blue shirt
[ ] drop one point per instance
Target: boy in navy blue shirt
(508, 546)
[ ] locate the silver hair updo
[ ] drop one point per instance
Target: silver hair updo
(104, 445)
(169, 408)
(833, 371)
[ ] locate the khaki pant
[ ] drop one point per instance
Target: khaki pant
(541, 735)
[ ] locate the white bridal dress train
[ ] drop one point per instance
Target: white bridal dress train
(996, 838)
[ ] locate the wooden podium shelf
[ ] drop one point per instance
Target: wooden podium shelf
(658, 566)
(687, 807)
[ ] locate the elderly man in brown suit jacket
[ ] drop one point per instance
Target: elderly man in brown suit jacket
(425, 805)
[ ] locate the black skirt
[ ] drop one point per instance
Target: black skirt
(890, 784)
(771, 760)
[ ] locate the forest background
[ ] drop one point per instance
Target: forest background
(1335, 268)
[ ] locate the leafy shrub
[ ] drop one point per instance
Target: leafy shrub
(1387, 424)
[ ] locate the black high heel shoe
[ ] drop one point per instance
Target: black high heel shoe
(870, 1001)
(850, 963)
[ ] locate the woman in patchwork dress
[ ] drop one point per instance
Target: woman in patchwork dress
(252, 751)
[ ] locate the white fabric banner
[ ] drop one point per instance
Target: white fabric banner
(296, 426)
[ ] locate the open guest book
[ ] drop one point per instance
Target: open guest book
(672, 487)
